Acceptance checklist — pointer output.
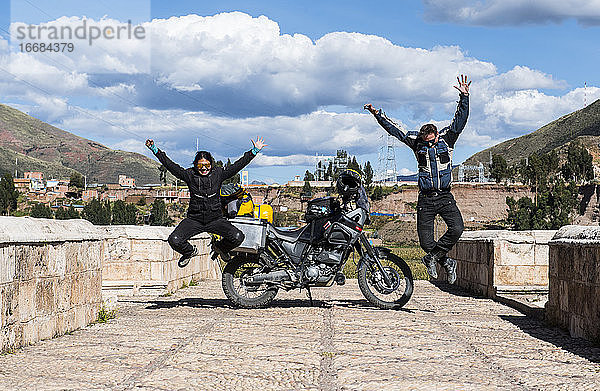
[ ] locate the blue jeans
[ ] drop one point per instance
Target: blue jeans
(430, 205)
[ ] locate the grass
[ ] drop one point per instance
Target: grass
(104, 315)
(411, 254)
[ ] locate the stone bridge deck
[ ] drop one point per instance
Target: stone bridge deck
(444, 339)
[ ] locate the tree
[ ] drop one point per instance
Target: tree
(163, 175)
(60, 214)
(368, 170)
(159, 214)
(97, 213)
(353, 165)
(234, 179)
(40, 210)
(76, 180)
(329, 172)
(539, 171)
(499, 169)
(66, 214)
(377, 193)
(123, 214)
(578, 166)
(8, 194)
(308, 176)
(306, 190)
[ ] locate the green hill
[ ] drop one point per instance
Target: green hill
(583, 125)
(39, 146)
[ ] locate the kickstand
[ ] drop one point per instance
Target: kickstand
(309, 295)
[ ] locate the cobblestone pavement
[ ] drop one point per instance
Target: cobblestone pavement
(443, 340)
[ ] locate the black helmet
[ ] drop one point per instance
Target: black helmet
(348, 183)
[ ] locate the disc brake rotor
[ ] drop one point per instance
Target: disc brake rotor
(379, 283)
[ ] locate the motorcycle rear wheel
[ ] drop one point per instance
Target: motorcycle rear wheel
(370, 280)
(240, 294)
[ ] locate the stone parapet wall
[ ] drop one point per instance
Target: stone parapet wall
(574, 290)
(497, 260)
(50, 278)
(139, 260)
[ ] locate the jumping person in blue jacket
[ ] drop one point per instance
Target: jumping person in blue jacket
(433, 151)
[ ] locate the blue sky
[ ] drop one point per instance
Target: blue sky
(298, 73)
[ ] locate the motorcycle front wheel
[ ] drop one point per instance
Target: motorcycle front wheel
(396, 293)
(240, 293)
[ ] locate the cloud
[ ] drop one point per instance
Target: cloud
(512, 12)
(532, 109)
(226, 78)
(290, 139)
(406, 171)
(290, 160)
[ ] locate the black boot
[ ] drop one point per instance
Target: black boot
(430, 260)
(185, 258)
(450, 266)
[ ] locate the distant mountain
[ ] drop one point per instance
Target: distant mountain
(39, 146)
(582, 125)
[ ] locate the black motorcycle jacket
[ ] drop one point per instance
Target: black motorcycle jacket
(205, 202)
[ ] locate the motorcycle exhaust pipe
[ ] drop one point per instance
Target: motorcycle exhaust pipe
(276, 276)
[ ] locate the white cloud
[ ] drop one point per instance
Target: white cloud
(512, 12)
(532, 109)
(226, 78)
(290, 160)
(406, 171)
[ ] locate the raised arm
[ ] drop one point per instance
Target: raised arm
(174, 168)
(390, 126)
(462, 111)
(242, 162)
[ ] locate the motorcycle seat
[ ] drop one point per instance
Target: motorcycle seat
(288, 235)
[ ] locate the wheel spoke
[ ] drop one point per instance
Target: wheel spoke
(393, 294)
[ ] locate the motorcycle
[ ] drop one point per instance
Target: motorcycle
(314, 255)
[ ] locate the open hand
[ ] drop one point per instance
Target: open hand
(149, 143)
(259, 143)
(369, 107)
(463, 85)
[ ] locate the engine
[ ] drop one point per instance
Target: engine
(323, 264)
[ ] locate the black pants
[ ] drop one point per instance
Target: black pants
(232, 237)
(443, 204)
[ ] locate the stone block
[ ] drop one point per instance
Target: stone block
(541, 255)
(117, 250)
(157, 271)
(57, 260)
(26, 300)
(63, 293)
(3, 317)
(46, 326)
(127, 271)
(514, 254)
(45, 296)
(27, 333)
(8, 264)
(505, 275)
(146, 250)
(563, 296)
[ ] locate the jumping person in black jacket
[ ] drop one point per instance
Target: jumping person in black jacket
(204, 213)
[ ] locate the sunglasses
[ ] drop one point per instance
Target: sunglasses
(203, 165)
